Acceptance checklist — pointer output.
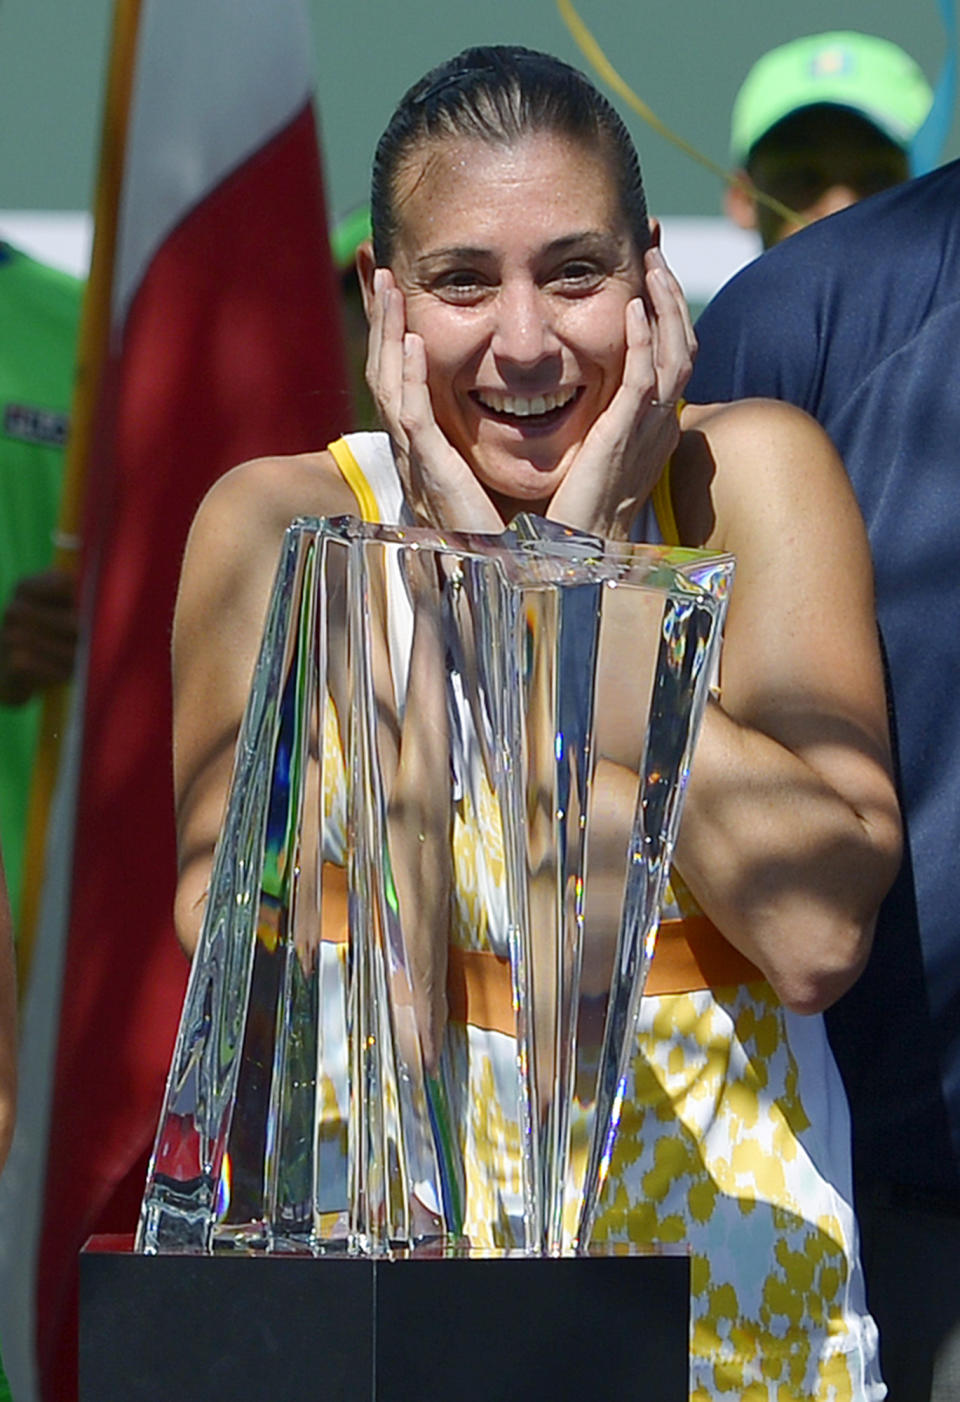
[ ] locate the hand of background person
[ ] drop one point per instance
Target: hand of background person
(621, 458)
(38, 636)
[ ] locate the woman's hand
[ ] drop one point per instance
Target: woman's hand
(439, 485)
(625, 451)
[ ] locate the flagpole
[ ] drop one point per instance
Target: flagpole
(93, 342)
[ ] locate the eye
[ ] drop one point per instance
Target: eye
(578, 275)
(461, 286)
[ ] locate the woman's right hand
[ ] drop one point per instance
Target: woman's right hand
(438, 483)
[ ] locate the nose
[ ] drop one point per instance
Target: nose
(523, 331)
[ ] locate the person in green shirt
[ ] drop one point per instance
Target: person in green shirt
(39, 311)
(8, 1044)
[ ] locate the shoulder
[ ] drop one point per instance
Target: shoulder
(754, 464)
(236, 535)
(808, 317)
(751, 426)
(262, 496)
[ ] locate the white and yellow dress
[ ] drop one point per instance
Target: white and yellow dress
(734, 1137)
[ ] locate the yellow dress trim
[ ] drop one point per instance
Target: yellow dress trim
(369, 511)
(663, 500)
(356, 480)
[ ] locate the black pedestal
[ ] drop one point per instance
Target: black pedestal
(280, 1329)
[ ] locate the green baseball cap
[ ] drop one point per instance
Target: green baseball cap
(868, 75)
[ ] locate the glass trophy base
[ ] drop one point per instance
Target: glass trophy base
(473, 1326)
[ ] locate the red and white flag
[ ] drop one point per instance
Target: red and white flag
(224, 343)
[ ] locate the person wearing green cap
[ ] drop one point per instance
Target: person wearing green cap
(820, 123)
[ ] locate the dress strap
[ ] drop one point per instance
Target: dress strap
(356, 480)
(662, 498)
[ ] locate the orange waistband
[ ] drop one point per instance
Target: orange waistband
(691, 954)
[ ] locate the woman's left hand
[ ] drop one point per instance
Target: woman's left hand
(624, 453)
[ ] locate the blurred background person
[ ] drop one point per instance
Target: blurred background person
(820, 123)
(853, 321)
(8, 1072)
(39, 311)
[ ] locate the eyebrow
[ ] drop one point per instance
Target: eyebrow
(589, 240)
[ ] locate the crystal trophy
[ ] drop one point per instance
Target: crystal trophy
(435, 896)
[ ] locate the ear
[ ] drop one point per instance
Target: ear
(654, 225)
(738, 202)
(366, 267)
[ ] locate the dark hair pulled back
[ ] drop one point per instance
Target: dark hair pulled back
(500, 94)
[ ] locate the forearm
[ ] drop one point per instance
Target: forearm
(419, 812)
(789, 868)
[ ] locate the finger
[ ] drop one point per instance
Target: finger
(391, 351)
(656, 259)
(639, 366)
(28, 618)
(429, 448)
(417, 415)
(672, 356)
(445, 489)
(54, 587)
(375, 334)
(39, 664)
(384, 370)
(636, 391)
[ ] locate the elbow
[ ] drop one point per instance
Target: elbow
(834, 939)
(188, 916)
(815, 986)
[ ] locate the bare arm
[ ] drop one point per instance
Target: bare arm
(225, 584)
(791, 835)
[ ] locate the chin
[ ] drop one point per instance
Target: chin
(529, 491)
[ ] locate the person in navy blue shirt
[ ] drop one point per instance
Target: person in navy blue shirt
(857, 321)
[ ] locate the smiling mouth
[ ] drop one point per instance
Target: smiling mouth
(528, 411)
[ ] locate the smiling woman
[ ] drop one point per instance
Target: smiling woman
(528, 348)
(511, 266)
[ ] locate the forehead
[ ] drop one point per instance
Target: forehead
(469, 191)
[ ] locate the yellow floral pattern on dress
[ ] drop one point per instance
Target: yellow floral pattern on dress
(713, 1151)
(716, 1150)
(488, 1117)
(479, 904)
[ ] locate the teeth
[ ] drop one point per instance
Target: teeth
(523, 408)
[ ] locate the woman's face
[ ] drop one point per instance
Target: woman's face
(516, 266)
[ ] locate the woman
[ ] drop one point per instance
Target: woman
(528, 348)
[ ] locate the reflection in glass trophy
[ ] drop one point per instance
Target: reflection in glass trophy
(435, 895)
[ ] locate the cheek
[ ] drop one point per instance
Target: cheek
(597, 333)
(452, 343)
